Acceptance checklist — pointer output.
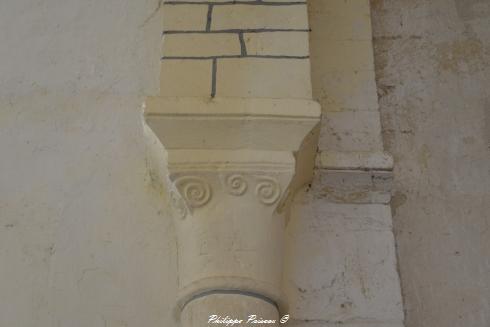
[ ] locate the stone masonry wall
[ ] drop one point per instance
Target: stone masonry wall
(433, 76)
(236, 49)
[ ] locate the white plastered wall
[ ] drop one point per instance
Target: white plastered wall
(86, 238)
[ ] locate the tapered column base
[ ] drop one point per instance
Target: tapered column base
(229, 310)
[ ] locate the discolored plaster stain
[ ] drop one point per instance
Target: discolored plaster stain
(49, 252)
(377, 4)
(486, 126)
(153, 179)
(423, 156)
(301, 290)
(469, 140)
(347, 306)
(460, 56)
(384, 90)
(472, 9)
(397, 201)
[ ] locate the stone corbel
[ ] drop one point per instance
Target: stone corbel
(231, 166)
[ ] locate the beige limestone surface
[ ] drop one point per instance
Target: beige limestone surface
(343, 75)
(227, 49)
(232, 153)
(260, 17)
(264, 78)
(433, 74)
(186, 77)
(185, 17)
(201, 45)
(277, 43)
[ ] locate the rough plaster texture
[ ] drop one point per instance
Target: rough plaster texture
(433, 75)
(85, 240)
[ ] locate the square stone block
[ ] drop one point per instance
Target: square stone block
(264, 78)
(346, 55)
(184, 77)
(344, 90)
(184, 17)
(340, 19)
(351, 131)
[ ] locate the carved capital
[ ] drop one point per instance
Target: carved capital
(190, 192)
(231, 164)
(225, 177)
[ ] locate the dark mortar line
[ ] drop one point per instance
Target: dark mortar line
(213, 77)
(237, 30)
(233, 57)
(243, 46)
(254, 3)
(231, 292)
(209, 17)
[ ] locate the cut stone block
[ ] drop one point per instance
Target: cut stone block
(355, 161)
(272, 124)
(201, 45)
(185, 17)
(351, 131)
(344, 55)
(345, 90)
(340, 20)
(354, 186)
(183, 77)
(277, 43)
(259, 17)
(264, 78)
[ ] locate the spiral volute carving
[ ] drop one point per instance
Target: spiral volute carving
(268, 190)
(195, 191)
(235, 184)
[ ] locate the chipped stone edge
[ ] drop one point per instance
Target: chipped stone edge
(364, 161)
(356, 177)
